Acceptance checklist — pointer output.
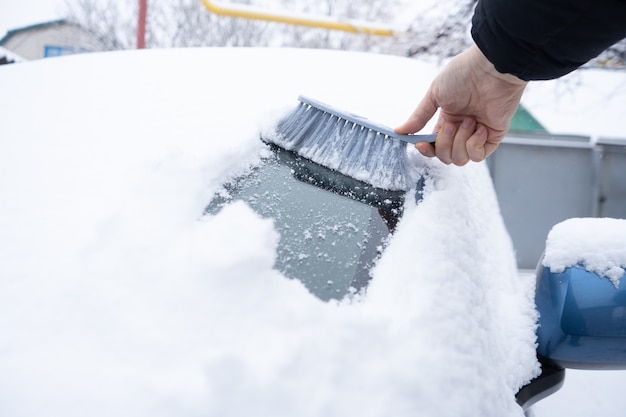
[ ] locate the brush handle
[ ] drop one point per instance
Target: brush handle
(362, 121)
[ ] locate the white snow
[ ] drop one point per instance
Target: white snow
(598, 244)
(118, 297)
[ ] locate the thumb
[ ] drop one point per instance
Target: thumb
(425, 110)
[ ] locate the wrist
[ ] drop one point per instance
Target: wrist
(481, 62)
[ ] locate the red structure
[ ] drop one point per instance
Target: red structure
(141, 24)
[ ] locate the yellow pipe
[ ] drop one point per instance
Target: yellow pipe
(247, 12)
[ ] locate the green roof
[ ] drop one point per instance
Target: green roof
(523, 121)
(37, 26)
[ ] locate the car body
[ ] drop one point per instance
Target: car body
(120, 290)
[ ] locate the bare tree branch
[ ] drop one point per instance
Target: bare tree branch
(111, 21)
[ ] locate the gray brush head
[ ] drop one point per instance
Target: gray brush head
(347, 143)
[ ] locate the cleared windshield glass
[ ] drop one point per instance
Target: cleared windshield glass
(332, 227)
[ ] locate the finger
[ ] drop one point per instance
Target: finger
(425, 110)
(444, 142)
(477, 146)
(425, 149)
(460, 155)
(493, 141)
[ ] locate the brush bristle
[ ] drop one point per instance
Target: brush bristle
(345, 146)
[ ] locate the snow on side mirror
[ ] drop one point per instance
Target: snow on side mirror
(581, 296)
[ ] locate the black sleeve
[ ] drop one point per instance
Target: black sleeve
(546, 39)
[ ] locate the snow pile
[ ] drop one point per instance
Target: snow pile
(118, 297)
(598, 244)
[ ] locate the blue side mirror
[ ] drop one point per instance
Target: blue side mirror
(582, 320)
(582, 323)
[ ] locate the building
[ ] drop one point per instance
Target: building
(49, 39)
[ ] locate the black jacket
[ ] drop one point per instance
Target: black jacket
(545, 39)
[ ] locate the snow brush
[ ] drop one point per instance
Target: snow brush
(347, 143)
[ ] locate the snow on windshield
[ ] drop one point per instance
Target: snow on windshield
(596, 244)
(118, 297)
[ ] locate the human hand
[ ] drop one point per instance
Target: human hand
(476, 105)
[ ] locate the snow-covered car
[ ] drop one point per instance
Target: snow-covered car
(333, 226)
(151, 260)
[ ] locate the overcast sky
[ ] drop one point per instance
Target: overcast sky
(18, 13)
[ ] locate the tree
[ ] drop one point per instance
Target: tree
(183, 23)
(107, 19)
(614, 57)
(186, 23)
(174, 23)
(377, 12)
(443, 30)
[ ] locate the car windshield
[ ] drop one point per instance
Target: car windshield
(332, 227)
